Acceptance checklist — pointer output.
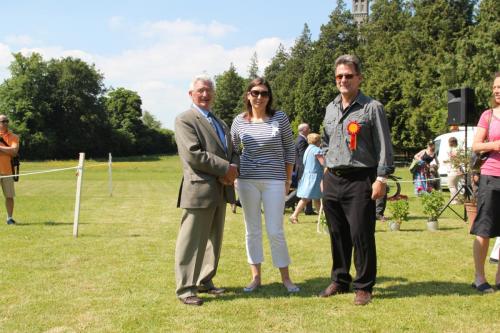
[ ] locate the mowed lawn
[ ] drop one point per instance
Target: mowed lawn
(118, 275)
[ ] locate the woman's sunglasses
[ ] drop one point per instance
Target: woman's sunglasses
(262, 93)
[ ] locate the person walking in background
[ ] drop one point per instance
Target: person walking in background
(309, 184)
(487, 222)
(454, 173)
(359, 157)
(210, 168)
(266, 166)
(300, 148)
(9, 146)
(422, 173)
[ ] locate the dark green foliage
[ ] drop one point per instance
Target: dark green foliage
(412, 53)
(59, 108)
(229, 88)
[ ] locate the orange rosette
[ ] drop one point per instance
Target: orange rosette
(353, 129)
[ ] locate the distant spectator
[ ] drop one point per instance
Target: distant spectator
(454, 173)
(9, 146)
(309, 184)
(422, 174)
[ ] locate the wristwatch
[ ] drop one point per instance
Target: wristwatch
(381, 179)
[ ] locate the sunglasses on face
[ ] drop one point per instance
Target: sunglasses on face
(347, 76)
(5, 121)
(262, 93)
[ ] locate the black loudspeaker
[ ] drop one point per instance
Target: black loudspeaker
(460, 103)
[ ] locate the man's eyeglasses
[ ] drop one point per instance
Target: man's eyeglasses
(262, 93)
(5, 121)
(347, 76)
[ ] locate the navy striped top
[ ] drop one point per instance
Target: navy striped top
(264, 147)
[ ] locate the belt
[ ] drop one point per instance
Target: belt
(347, 171)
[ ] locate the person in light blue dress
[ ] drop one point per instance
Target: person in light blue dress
(309, 187)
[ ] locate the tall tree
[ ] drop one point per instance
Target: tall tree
(479, 54)
(229, 88)
(150, 121)
(388, 55)
(124, 109)
(316, 87)
(253, 68)
(293, 71)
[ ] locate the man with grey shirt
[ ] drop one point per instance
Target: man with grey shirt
(209, 170)
(359, 158)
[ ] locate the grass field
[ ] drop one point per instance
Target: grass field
(117, 276)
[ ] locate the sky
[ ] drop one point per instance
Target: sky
(156, 47)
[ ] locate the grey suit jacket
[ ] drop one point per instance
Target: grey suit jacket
(204, 160)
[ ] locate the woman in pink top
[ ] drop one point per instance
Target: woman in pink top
(487, 222)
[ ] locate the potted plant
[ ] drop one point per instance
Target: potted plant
(459, 161)
(432, 204)
(399, 209)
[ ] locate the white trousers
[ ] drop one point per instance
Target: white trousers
(253, 194)
(495, 252)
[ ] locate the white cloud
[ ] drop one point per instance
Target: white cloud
(19, 40)
(161, 71)
(180, 28)
(116, 22)
(5, 60)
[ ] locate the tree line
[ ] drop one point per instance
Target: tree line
(61, 107)
(412, 53)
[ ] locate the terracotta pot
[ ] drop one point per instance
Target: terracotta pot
(471, 209)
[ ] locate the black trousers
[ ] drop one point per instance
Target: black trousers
(350, 214)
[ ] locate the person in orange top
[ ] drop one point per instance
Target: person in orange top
(9, 145)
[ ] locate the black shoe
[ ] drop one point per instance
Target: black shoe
(192, 300)
(333, 289)
(212, 291)
(11, 221)
(311, 213)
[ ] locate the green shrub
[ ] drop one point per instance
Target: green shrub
(400, 209)
(432, 204)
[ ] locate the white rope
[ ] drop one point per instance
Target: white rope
(51, 170)
(412, 181)
(39, 172)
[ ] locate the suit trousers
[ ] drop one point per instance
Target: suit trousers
(350, 214)
(198, 248)
(271, 194)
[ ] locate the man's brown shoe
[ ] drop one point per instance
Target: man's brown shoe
(362, 297)
(212, 291)
(333, 289)
(192, 300)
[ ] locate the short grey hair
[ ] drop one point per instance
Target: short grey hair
(201, 77)
(303, 126)
(348, 59)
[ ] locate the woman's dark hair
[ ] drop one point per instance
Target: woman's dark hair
(269, 107)
(494, 103)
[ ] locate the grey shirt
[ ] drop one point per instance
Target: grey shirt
(374, 146)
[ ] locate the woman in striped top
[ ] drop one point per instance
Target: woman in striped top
(264, 139)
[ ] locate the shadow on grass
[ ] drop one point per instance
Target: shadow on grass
(400, 288)
(141, 158)
(49, 223)
(425, 288)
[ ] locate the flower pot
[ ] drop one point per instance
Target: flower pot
(432, 225)
(471, 209)
(394, 226)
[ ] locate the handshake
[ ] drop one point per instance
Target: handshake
(230, 176)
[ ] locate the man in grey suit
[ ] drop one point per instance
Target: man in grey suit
(209, 170)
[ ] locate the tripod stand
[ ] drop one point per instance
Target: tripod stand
(465, 186)
(467, 189)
